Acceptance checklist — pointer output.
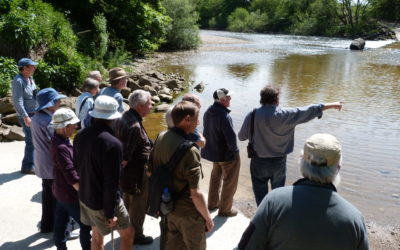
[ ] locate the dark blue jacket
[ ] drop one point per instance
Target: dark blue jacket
(218, 130)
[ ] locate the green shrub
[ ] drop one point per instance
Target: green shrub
(8, 69)
(183, 32)
(99, 44)
(238, 20)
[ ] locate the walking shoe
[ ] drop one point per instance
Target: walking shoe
(27, 171)
(143, 240)
(212, 209)
(231, 213)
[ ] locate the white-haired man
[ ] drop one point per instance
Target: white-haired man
(136, 149)
(310, 214)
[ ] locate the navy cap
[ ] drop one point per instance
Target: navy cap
(26, 62)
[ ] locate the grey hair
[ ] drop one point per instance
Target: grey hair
(94, 74)
(90, 83)
(138, 97)
(329, 174)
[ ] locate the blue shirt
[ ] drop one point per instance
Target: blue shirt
(23, 95)
(114, 93)
(86, 107)
(274, 128)
(41, 135)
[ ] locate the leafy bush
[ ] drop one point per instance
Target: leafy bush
(237, 21)
(99, 42)
(183, 32)
(34, 24)
(8, 69)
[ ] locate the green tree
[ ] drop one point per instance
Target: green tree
(388, 10)
(183, 32)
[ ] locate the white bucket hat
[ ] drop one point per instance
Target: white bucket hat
(63, 117)
(105, 107)
(322, 150)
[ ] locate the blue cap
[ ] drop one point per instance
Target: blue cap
(26, 62)
(47, 97)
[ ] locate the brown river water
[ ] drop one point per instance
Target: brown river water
(311, 70)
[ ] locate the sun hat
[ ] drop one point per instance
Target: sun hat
(63, 117)
(26, 62)
(47, 97)
(322, 150)
(105, 107)
(222, 93)
(116, 73)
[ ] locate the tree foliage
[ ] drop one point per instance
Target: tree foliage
(183, 32)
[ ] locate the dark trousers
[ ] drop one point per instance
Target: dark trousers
(266, 169)
(27, 161)
(48, 206)
(63, 212)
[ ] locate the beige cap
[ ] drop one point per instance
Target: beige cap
(322, 150)
(116, 73)
(63, 117)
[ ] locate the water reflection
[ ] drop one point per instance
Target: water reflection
(242, 71)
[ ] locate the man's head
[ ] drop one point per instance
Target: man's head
(321, 159)
(118, 78)
(48, 98)
(192, 98)
(105, 108)
(269, 95)
(140, 101)
(91, 85)
(223, 96)
(185, 116)
(27, 67)
(95, 74)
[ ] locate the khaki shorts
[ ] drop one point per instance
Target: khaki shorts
(96, 218)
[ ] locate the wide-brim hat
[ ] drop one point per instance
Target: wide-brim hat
(116, 73)
(105, 107)
(63, 117)
(47, 97)
(222, 93)
(26, 62)
(322, 150)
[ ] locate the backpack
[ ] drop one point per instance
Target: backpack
(160, 184)
(87, 121)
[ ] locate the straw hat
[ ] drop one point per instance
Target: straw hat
(116, 73)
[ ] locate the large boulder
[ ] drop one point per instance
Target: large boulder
(6, 106)
(15, 133)
(172, 84)
(158, 75)
(68, 102)
(146, 80)
(11, 119)
(165, 90)
(155, 99)
(199, 87)
(133, 85)
(125, 92)
(162, 107)
(150, 89)
(357, 44)
(166, 98)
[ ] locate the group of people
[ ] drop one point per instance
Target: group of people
(102, 179)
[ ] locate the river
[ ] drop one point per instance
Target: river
(311, 70)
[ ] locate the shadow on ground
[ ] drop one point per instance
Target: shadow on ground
(4, 178)
(36, 241)
(218, 223)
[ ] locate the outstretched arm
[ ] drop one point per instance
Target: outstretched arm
(333, 105)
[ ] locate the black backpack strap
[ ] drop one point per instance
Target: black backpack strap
(253, 114)
(176, 157)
